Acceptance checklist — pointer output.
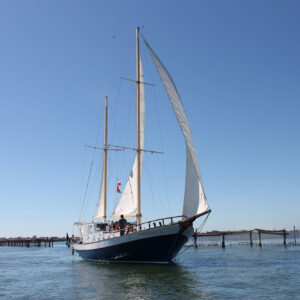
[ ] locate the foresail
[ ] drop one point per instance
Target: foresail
(100, 208)
(127, 205)
(194, 196)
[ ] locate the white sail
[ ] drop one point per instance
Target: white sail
(194, 196)
(127, 205)
(100, 208)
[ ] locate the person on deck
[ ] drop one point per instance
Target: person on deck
(122, 224)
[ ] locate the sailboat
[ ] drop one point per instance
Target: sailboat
(159, 240)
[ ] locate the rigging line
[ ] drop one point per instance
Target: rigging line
(198, 230)
(152, 186)
(146, 176)
(85, 193)
(146, 172)
(115, 159)
(158, 122)
(95, 177)
(112, 159)
(89, 196)
(181, 252)
(120, 70)
(88, 193)
(128, 120)
(116, 111)
(97, 119)
(100, 126)
(81, 185)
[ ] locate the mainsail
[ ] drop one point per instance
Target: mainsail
(127, 205)
(194, 196)
(100, 209)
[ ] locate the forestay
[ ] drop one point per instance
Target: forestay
(127, 205)
(194, 196)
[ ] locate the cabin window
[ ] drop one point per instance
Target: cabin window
(101, 227)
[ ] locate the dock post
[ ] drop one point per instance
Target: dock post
(284, 237)
(250, 238)
(295, 235)
(259, 239)
(195, 239)
(67, 240)
(223, 240)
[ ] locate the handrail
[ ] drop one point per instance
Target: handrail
(161, 219)
(135, 227)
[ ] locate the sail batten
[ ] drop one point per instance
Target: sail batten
(194, 196)
(128, 203)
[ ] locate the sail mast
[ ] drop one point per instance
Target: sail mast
(139, 214)
(105, 160)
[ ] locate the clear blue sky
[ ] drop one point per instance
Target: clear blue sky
(236, 65)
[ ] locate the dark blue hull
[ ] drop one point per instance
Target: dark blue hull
(153, 249)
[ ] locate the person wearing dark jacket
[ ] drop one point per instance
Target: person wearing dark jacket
(123, 223)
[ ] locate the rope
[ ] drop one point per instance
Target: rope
(199, 229)
(182, 251)
(96, 123)
(151, 186)
(86, 189)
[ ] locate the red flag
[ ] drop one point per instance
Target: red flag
(118, 184)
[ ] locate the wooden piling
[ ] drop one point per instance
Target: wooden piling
(284, 237)
(223, 240)
(250, 239)
(195, 239)
(68, 241)
(259, 239)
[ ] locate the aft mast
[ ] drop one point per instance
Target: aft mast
(138, 129)
(102, 203)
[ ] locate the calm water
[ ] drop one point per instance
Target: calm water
(238, 272)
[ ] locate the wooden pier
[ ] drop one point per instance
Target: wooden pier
(249, 233)
(34, 241)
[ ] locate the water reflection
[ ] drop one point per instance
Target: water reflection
(135, 281)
